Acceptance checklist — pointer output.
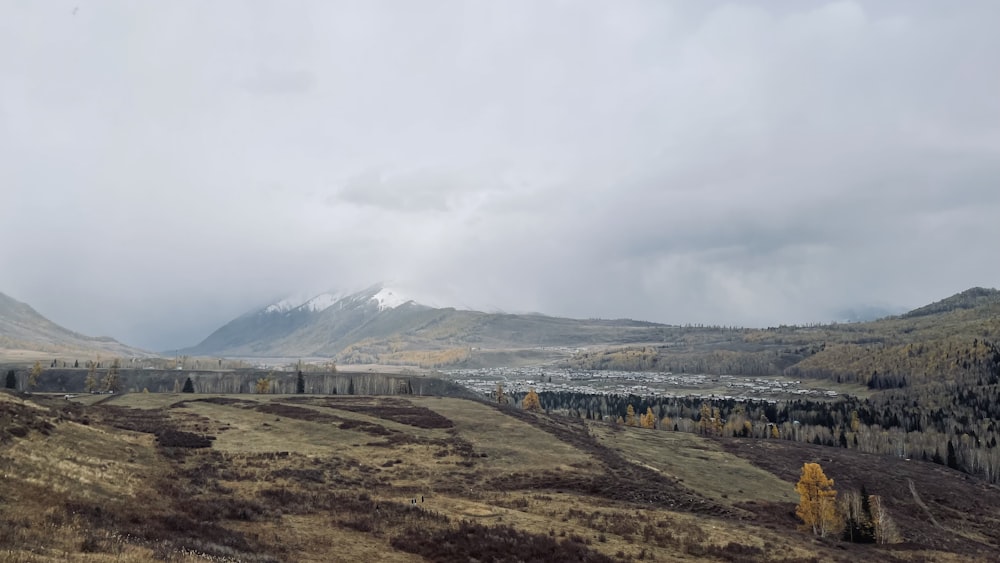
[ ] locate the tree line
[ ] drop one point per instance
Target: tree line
(954, 422)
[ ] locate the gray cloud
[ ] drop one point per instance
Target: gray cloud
(165, 168)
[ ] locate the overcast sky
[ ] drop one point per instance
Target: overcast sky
(167, 166)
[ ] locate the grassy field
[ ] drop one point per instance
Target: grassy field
(188, 477)
(697, 463)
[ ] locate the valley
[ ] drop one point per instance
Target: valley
(555, 439)
(315, 478)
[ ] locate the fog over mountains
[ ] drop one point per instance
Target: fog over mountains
(382, 322)
(326, 324)
(752, 163)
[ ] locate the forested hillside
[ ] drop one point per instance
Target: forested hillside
(949, 416)
(928, 344)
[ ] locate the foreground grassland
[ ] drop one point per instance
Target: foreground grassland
(187, 477)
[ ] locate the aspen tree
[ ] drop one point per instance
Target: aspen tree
(36, 371)
(90, 384)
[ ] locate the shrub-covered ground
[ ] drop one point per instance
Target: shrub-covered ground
(318, 478)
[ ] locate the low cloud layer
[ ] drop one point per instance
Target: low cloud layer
(167, 167)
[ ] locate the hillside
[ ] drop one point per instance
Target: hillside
(26, 334)
(925, 344)
(968, 299)
(319, 478)
(377, 326)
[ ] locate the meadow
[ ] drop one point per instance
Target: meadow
(195, 477)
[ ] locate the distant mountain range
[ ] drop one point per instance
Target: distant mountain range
(24, 331)
(382, 325)
(381, 321)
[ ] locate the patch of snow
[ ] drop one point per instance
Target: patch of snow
(322, 302)
(389, 299)
(285, 305)
(315, 303)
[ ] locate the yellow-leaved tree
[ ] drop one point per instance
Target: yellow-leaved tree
(817, 501)
(630, 417)
(531, 401)
(705, 419)
(648, 420)
(263, 385)
(36, 371)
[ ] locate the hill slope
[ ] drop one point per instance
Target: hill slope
(968, 299)
(376, 322)
(24, 331)
(932, 342)
(314, 478)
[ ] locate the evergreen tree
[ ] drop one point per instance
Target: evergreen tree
(11, 379)
(867, 527)
(858, 517)
(952, 458)
(188, 386)
(300, 383)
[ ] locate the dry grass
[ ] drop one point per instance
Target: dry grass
(298, 478)
(509, 443)
(700, 464)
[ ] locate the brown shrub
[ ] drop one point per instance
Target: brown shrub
(499, 544)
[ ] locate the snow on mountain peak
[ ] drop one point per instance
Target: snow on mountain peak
(285, 305)
(322, 301)
(315, 304)
(388, 298)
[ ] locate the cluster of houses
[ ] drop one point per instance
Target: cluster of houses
(643, 384)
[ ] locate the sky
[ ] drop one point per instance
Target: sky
(168, 166)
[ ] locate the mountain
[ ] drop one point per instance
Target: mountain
(380, 323)
(943, 341)
(26, 333)
(968, 299)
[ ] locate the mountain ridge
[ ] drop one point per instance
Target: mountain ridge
(968, 299)
(22, 328)
(384, 317)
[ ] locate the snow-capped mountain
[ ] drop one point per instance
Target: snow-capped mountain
(300, 325)
(381, 320)
(384, 297)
